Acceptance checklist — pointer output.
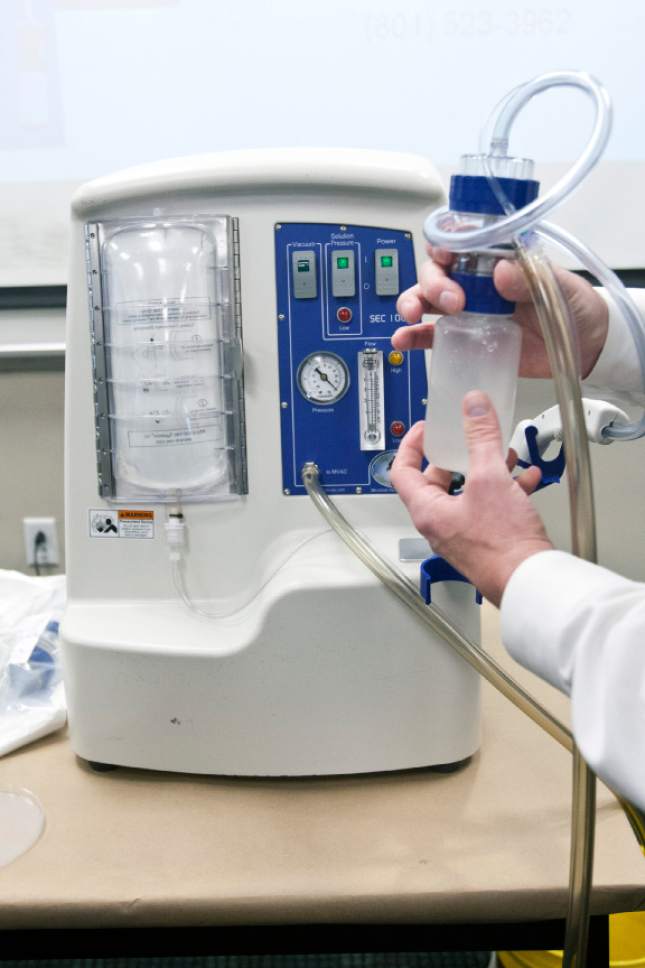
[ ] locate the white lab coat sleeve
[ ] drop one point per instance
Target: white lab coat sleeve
(582, 628)
(617, 367)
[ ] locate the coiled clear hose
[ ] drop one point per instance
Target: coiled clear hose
(522, 228)
(443, 229)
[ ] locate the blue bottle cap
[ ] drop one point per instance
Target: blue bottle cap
(473, 193)
(482, 296)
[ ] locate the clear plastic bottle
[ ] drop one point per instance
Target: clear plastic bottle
(479, 349)
(470, 352)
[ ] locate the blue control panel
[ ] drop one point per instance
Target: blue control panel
(346, 397)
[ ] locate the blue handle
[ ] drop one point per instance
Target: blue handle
(437, 569)
(552, 470)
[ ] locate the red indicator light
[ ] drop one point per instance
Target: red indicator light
(397, 428)
(344, 314)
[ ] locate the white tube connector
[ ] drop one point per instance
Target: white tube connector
(599, 416)
(176, 536)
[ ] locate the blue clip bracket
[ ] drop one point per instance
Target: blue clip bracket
(552, 470)
(437, 569)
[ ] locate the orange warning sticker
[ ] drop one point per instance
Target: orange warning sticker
(136, 523)
(136, 515)
(122, 523)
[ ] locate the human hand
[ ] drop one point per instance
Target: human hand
(489, 529)
(438, 294)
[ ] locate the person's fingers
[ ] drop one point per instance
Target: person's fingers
(416, 337)
(439, 290)
(443, 256)
(438, 477)
(511, 459)
(529, 479)
(411, 447)
(411, 304)
(406, 475)
(510, 281)
(483, 436)
(435, 292)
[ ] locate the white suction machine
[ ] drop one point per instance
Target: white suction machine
(229, 321)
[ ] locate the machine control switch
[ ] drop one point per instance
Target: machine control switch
(386, 272)
(303, 270)
(343, 273)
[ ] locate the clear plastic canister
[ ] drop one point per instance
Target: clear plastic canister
(469, 352)
(166, 321)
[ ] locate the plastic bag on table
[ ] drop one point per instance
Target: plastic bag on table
(32, 698)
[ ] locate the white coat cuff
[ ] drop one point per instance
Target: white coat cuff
(540, 607)
(617, 367)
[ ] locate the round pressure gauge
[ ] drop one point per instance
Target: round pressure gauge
(380, 468)
(323, 378)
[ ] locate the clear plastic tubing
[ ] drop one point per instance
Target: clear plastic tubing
(441, 230)
(558, 336)
(444, 229)
(404, 588)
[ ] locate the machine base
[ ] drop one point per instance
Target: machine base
(438, 768)
(324, 673)
(101, 767)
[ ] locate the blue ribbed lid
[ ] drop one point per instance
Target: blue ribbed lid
(473, 193)
(481, 295)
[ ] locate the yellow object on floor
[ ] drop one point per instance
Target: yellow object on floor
(626, 947)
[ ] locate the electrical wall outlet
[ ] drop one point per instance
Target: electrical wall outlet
(38, 552)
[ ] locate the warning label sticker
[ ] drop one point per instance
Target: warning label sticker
(122, 523)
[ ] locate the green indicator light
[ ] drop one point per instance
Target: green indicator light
(303, 265)
(386, 261)
(342, 262)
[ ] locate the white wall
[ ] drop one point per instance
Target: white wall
(88, 86)
(31, 444)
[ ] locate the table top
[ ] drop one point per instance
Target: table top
(489, 843)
